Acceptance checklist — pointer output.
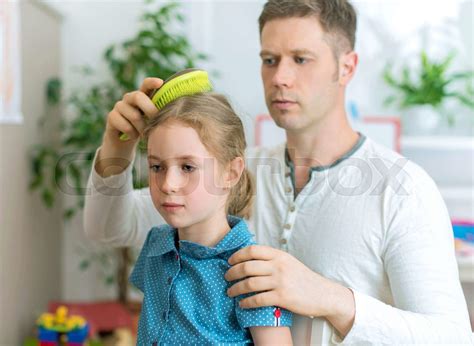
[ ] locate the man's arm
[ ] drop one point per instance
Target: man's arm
(271, 336)
(432, 308)
(428, 302)
(114, 213)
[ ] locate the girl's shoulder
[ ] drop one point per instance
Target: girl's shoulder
(237, 238)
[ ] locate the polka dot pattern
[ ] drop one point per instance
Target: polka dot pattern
(185, 299)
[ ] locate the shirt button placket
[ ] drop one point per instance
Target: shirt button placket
(289, 222)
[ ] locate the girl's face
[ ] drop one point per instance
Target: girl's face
(185, 179)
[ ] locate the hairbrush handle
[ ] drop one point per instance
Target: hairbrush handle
(124, 137)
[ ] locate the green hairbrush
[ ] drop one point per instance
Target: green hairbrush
(184, 83)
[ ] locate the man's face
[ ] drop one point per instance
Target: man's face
(299, 73)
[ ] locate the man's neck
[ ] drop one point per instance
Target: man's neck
(320, 146)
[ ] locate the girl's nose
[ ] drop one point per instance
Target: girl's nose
(172, 182)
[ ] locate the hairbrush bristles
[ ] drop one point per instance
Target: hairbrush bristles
(184, 83)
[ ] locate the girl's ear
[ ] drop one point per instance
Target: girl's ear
(235, 169)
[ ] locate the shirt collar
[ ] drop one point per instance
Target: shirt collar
(167, 240)
(163, 241)
(351, 152)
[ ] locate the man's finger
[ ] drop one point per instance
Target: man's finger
(249, 268)
(132, 114)
(253, 252)
(252, 284)
(150, 84)
(139, 100)
(121, 124)
(269, 298)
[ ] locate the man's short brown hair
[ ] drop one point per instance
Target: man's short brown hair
(337, 17)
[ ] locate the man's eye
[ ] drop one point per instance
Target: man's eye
(268, 61)
(300, 60)
(156, 168)
(188, 168)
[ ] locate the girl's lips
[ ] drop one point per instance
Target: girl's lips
(170, 207)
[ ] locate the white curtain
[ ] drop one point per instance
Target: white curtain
(10, 62)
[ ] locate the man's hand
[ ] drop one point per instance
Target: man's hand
(281, 280)
(127, 116)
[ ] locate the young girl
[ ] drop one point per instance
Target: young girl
(199, 184)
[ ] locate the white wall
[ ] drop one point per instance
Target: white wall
(30, 234)
(88, 28)
(228, 32)
(396, 31)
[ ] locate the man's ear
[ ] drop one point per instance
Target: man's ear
(234, 172)
(347, 67)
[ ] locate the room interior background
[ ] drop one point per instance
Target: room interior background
(40, 252)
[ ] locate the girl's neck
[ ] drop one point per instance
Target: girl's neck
(208, 232)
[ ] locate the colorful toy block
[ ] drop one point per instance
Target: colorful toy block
(60, 329)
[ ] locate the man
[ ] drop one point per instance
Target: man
(355, 235)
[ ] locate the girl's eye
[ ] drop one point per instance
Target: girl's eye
(188, 168)
(156, 168)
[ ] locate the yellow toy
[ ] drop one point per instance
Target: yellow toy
(59, 328)
(60, 321)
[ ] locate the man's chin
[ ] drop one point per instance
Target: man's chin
(285, 120)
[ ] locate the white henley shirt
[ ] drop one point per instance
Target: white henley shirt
(373, 221)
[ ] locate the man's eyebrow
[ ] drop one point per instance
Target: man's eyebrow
(266, 52)
(294, 52)
(303, 52)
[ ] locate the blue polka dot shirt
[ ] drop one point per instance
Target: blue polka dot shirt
(185, 293)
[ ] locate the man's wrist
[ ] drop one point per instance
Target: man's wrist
(109, 162)
(341, 309)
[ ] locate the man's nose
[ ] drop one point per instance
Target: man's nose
(284, 75)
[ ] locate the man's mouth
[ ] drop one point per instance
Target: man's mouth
(283, 103)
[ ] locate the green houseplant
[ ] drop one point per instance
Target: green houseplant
(64, 167)
(430, 87)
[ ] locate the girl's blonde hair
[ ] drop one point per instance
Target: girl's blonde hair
(222, 133)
